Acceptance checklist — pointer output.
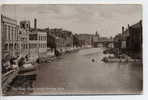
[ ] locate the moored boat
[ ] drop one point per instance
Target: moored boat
(120, 59)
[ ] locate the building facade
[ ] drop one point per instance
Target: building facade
(24, 31)
(59, 39)
(33, 45)
(85, 40)
(10, 37)
(37, 42)
(42, 42)
(95, 39)
(130, 40)
(134, 41)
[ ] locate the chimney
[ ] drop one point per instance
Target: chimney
(128, 26)
(122, 29)
(35, 23)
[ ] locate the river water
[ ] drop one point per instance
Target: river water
(77, 72)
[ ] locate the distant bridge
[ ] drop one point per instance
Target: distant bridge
(103, 42)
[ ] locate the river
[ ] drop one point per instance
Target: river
(77, 72)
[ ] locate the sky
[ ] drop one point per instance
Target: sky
(107, 19)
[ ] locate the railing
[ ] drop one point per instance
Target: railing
(8, 77)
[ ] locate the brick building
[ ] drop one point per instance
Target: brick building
(134, 41)
(59, 39)
(130, 40)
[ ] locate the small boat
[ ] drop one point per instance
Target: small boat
(107, 59)
(93, 60)
(27, 67)
(115, 59)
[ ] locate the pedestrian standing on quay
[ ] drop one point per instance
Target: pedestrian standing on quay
(14, 63)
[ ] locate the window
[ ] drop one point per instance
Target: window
(5, 31)
(17, 34)
(9, 33)
(27, 25)
(12, 33)
(26, 46)
(23, 26)
(6, 47)
(44, 38)
(32, 36)
(14, 37)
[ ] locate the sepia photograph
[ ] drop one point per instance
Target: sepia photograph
(71, 49)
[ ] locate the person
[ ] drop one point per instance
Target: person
(26, 57)
(14, 64)
(93, 60)
(57, 53)
(5, 65)
(21, 61)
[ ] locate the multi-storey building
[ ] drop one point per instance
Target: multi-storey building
(134, 41)
(95, 39)
(10, 37)
(37, 42)
(33, 45)
(76, 42)
(130, 40)
(51, 38)
(59, 39)
(68, 38)
(85, 39)
(42, 42)
(24, 32)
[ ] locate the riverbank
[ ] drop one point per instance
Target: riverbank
(22, 83)
(50, 58)
(116, 55)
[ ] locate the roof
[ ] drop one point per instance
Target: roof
(7, 19)
(137, 25)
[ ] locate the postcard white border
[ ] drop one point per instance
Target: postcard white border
(98, 97)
